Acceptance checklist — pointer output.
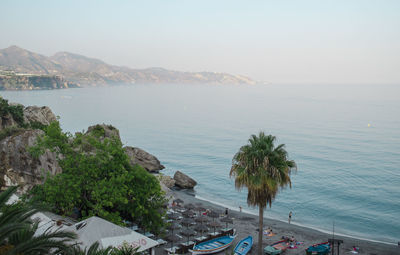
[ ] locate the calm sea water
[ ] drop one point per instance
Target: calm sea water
(348, 171)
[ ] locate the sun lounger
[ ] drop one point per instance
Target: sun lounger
(161, 241)
(171, 250)
(201, 238)
(149, 235)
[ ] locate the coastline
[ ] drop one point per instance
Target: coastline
(247, 224)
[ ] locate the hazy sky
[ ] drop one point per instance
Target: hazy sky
(301, 41)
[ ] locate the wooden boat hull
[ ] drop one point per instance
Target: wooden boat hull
(244, 246)
(275, 248)
(213, 246)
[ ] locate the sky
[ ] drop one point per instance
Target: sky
(299, 41)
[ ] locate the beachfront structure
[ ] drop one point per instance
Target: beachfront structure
(50, 222)
(95, 229)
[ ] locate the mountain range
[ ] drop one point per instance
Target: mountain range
(83, 71)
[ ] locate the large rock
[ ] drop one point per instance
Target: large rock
(168, 181)
(183, 181)
(18, 167)
(144, 159)
(43, 115)
(105, 131)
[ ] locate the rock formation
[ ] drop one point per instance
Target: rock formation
(144, 159)
(7, 121)
(43, 115)
(109, 131)
(183, 181)
(18, 167)
(168, 181)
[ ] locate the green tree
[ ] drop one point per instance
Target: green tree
(17, 230)
(98, 180)
(263, 169)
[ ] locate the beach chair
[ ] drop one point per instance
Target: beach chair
(172, 250)
(161, 242)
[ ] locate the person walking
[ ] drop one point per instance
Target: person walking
(290, 216)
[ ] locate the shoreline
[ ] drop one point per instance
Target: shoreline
(297, 224)
(246, 224)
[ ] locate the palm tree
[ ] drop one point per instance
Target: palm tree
(263, 169)
(17, 230)
(94, 249)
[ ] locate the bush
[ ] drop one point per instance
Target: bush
(16, 111)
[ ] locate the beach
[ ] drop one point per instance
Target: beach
(247, 224)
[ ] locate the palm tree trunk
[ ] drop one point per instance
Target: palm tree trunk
(260, 230)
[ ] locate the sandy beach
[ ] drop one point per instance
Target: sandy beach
(247, 224)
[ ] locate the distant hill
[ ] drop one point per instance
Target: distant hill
(84, 71)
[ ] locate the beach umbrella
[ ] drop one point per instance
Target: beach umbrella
(172, 238)
(213, 214)
(188, 213)
(189, 206)
(174, 226)
(187, 222)
(227, 220)
(188, 232)
(200, 209)
(214, 225)
(201, 219)
(173, 216)
(178, 201)
(201, 228)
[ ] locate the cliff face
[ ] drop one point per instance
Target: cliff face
(17, 166)
(12, 81)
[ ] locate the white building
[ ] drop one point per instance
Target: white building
(95, 229)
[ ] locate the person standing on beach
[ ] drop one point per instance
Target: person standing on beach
(226, 211)
(290, 216)
(240, 208)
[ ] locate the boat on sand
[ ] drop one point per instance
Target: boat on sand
(276, 248)
(213, 246)
(244, 246)
(319, 249)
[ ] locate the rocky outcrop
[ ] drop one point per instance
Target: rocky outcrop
(42, 115)
(183, 181)
(18, 167)
(144, 159)
(7, 121)
(168, 181)
(103, 131)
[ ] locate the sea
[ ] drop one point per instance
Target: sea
(345, 140)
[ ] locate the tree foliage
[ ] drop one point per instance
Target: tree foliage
(97, 180)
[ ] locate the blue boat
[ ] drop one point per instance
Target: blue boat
(319, 249)
(213, 246)
(244, 246)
